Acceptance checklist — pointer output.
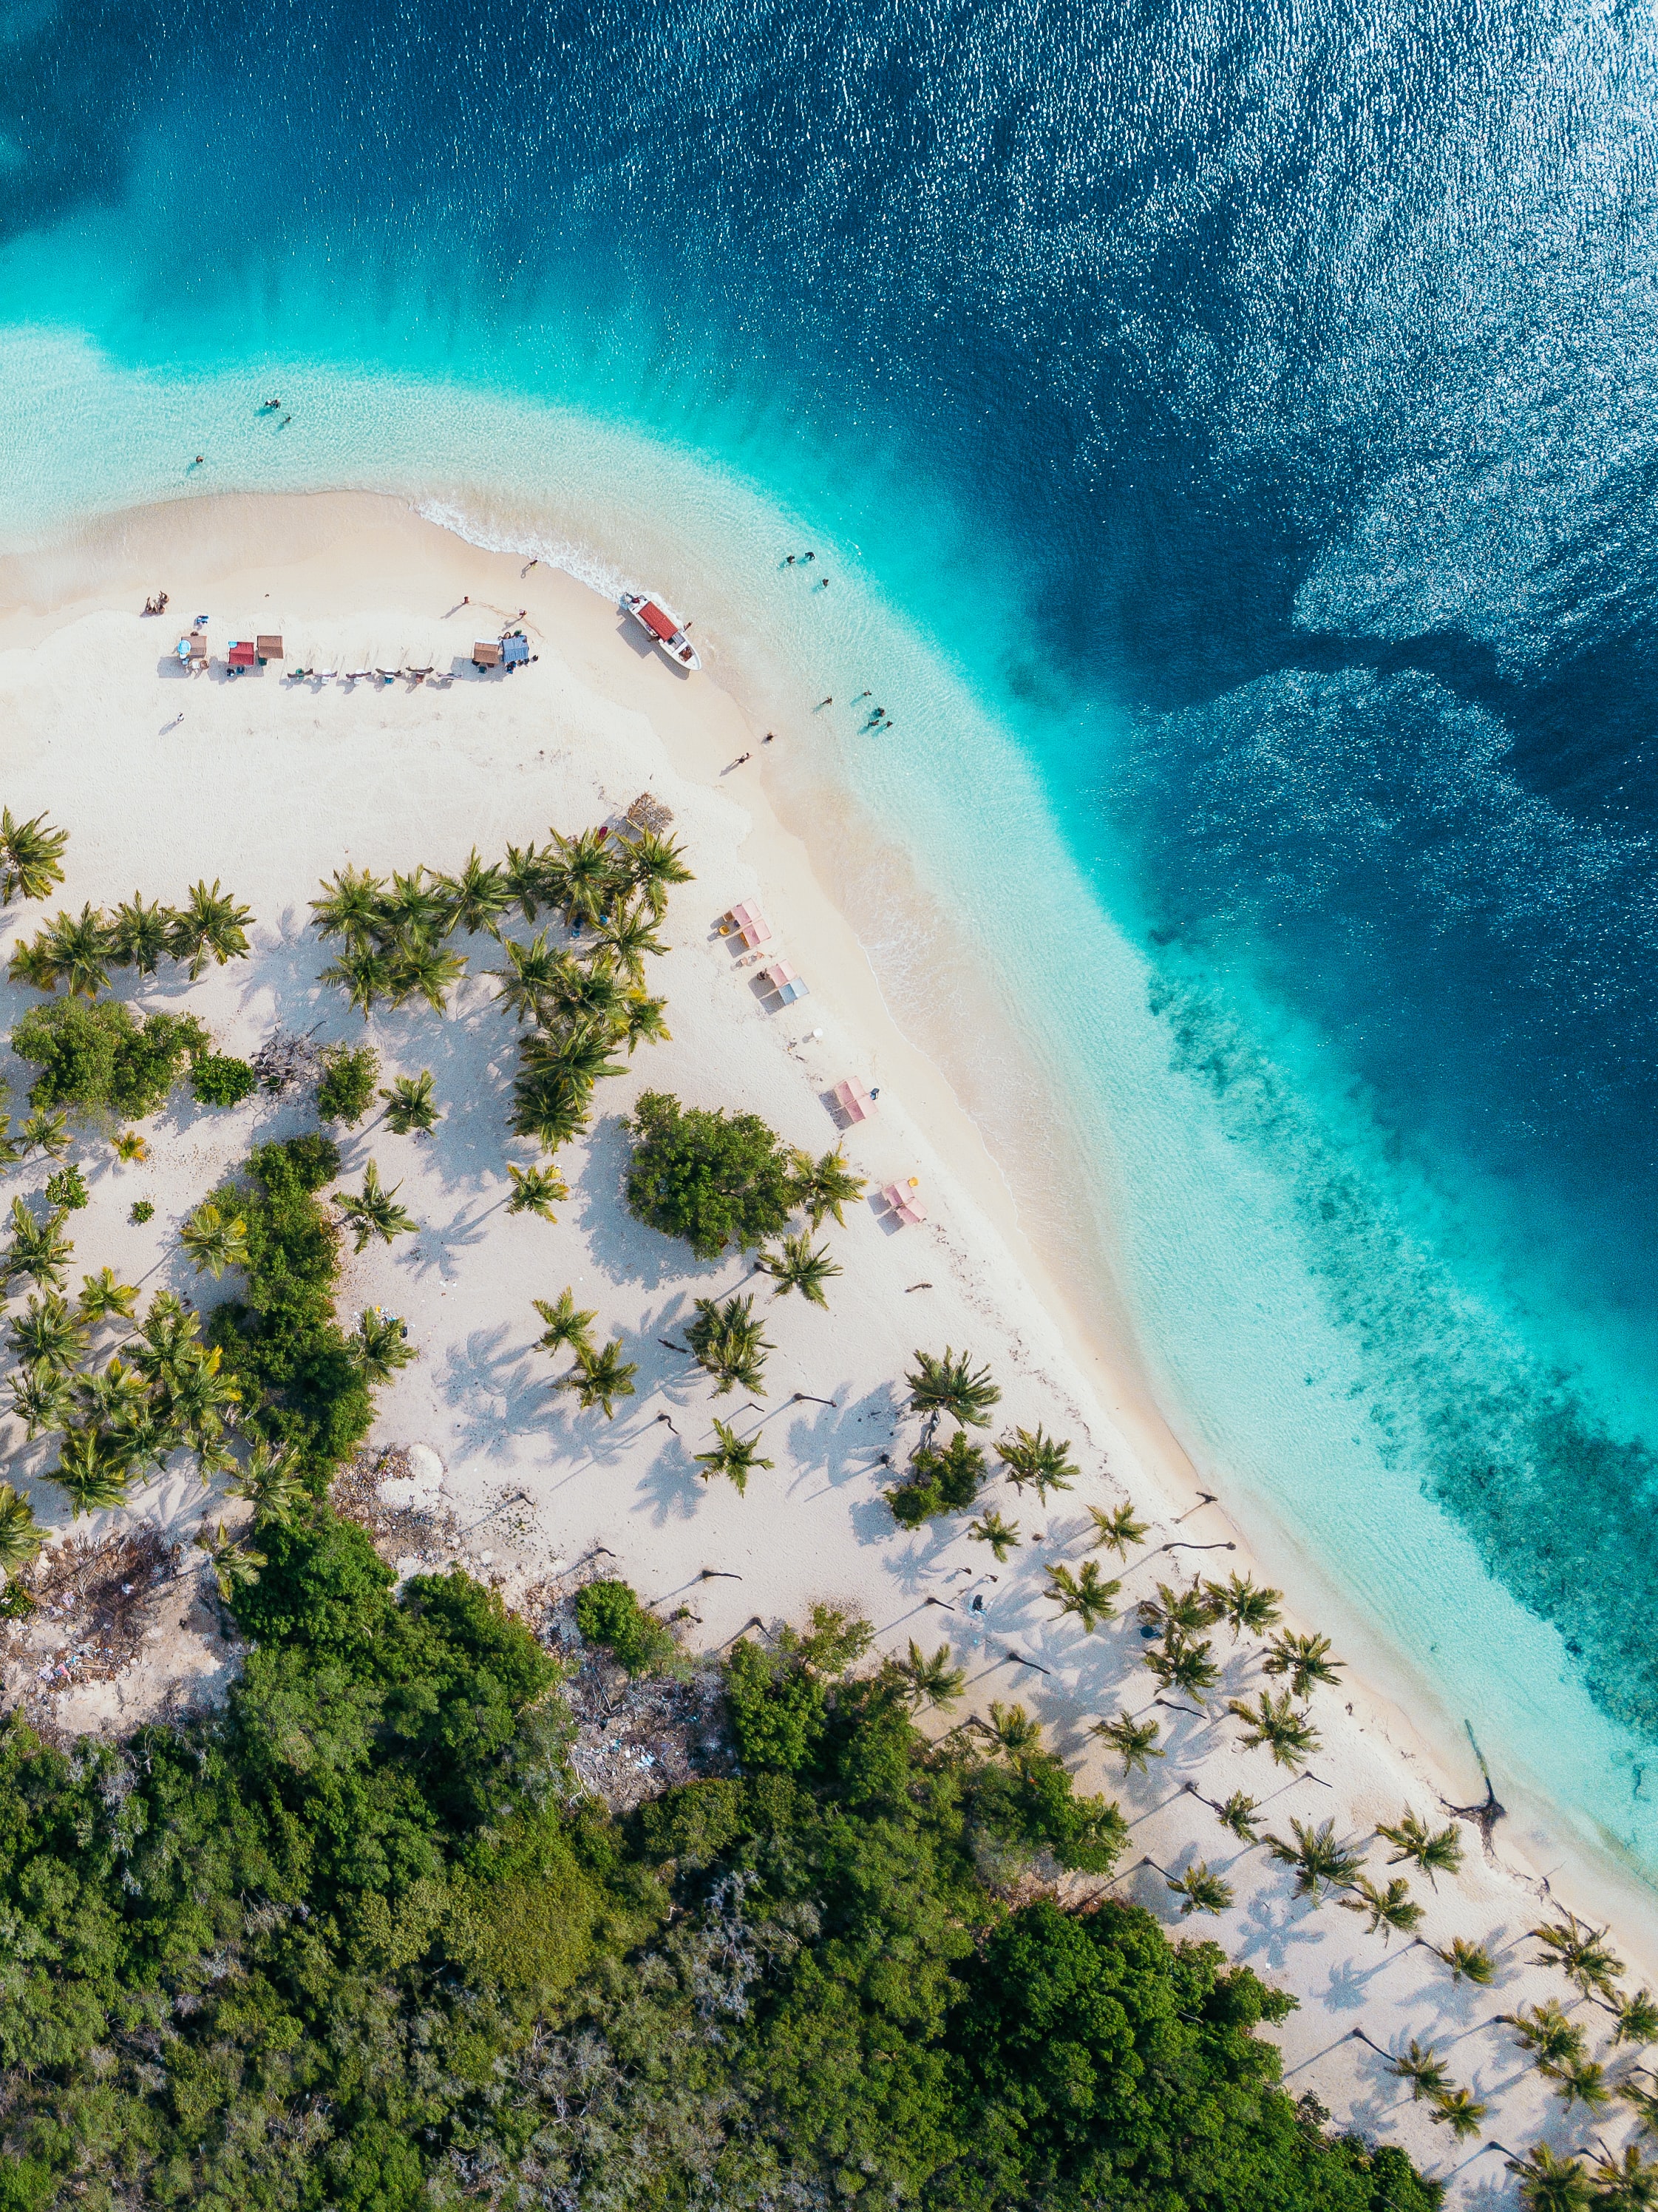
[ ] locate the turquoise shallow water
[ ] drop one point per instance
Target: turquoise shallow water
(1238, 491)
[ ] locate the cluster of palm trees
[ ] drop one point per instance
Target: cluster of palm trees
(31, 857)
(579, 1003)
(80, 951)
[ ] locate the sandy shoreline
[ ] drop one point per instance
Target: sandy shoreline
(269, 786)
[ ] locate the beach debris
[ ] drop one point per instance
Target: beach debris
(286, 1058)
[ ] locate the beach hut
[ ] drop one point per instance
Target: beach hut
(904, 1202)
(855, 1102)
(243, 652)
(268, 645)
(781, 978)
(749, 924)
(486, 654)
(515, 651)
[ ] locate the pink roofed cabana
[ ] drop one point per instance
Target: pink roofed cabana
(749, 924)
(781, 978)
(905, 1203)
(855, 1102)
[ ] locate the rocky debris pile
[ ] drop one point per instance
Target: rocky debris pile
(286, 1059)
(80, 1614)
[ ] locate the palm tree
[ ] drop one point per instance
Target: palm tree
(235, 1566)
(32, 963)
(599, 1378)
(549, 1107)
(1134, 1741)
(42, 1399)
(522, 879)
(39, 1251)
(350, 905)
(215, 1240)
(1437, 1851)
(1468, 1962)
(1304, 1659)
(380, 1345)
(568, 1325)
(166, 1344)
(364, 973)
(1421, 2065)
(46, 1333)
(1547, 2031)
(420, 969)
(1462, 2113)
(727, 1340)
(20, 1539)
(375, 1214)
(629, 939)
(1548, 2183)
(130, 1147)
(107, 1397)
(581, 878)
(1637, 2018)
(1385, 1910)
(734, 1456)
(139, 934)
(1034, 1457)
(1174, 1611)
(1002, 1536)
(29, 855)
(91, 1466)
(210, 925)
(1318, 1858)
(643, 1017)
(1242, 1604)
(1628, 2183)
(531, 975)
(951, 1385)
(1274, 1722)
(1180, 1665)
(413, 906)
(653, 865)
(934, 1681)
(411, 1110)
(270, 1483)
(1014, 1731)
(1118, 1529)
(1581, 1954)
(79, 951)
(1581, 2082)
(1084, 1594)
(1239, 1815)
(534, 1190)
(1199, 1890)
(579, 1054)
(797, 1267)
(196, 1399)
(824, 1187)
(591, 991)
(477, 898)
(46, 1133)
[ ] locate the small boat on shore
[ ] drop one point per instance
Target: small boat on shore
(663, 626)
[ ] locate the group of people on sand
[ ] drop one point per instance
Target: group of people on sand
(157, 605)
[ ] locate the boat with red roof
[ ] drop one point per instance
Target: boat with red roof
(663, 627)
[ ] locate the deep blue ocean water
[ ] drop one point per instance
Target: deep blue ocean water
(1251, 411)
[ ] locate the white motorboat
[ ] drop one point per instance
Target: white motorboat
(661, 624)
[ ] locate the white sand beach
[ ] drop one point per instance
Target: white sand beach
(269, 784)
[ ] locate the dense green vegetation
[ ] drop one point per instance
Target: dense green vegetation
(608, 1613)
(300, 1376)
(101, 1057)
(357, 1941)
(347, 1089)
(713, 1178)
(218, 1080)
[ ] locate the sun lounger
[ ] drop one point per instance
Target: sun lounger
(781, 978)
(855, 1102)
(904, 1202)
(749, 924)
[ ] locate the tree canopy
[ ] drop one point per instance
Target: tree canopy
(714, 1178)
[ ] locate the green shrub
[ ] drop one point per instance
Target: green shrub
(939, 1482)
(713, 1178)
(301, 1382)
(142, 1211)
(217, 1080)
(608, 1613)
(776, 1709)
(93, 1056)
(347, 1089)
(68, 1188)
